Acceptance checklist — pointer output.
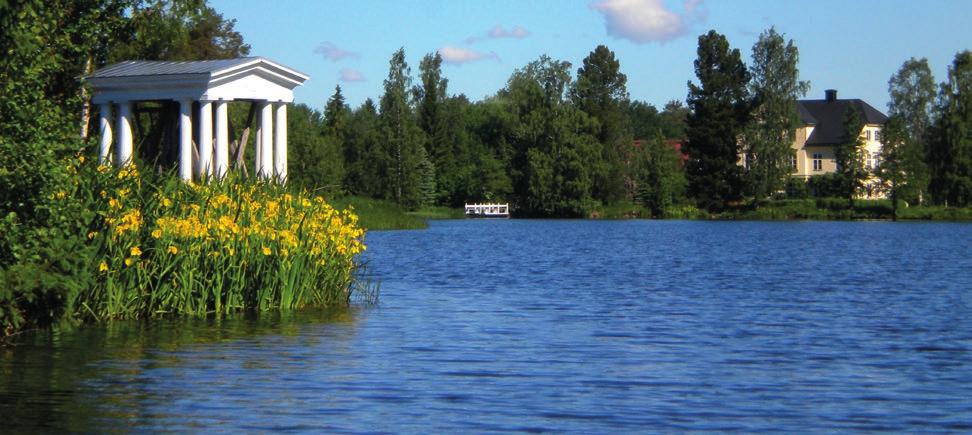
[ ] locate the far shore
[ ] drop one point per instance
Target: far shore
(379, 215)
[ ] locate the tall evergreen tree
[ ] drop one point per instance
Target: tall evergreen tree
(336, 116)
(400, 135)
(601, 92)
(430, 99)
(849, 155)
(904, 170)
(719, 112)
(455, 134)
(316, 159)
(775, 87)
(366, 160)
(951, 152)
(430, 94)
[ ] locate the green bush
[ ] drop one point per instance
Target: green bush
(796, 188)
(43, 292)
(825, 185)
(935, 213)
(685, 211)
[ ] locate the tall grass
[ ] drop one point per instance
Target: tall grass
(379, 214)
(195, 249)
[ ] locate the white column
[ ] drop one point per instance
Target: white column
(266, 140)
(205, 139)
(124, 133)
(104, 124)
(258, 146)
(185, 140)
(280, 143)
(222, 139)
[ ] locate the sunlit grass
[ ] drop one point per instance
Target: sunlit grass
(378, 214)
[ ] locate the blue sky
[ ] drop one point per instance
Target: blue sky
(851, 45)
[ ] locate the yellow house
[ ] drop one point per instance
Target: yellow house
(822, 127)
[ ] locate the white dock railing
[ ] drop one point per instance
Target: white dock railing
(488, 210)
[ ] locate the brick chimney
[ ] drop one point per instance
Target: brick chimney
(830, 95)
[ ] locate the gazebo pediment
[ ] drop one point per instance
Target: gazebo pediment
(248, 78)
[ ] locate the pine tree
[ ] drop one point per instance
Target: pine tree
(336, 114)
(430, 98)
(719, 112)
(601, 92)
(316, 159)
(366, 162)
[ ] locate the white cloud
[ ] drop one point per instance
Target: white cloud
(351, 75)
(647, 20)
(457, 55)
(517, 32)
(333, 52)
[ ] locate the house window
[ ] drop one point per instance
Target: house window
(793, 159)
(867, 161)
(867, 134)
(877, 135)
(817, 162)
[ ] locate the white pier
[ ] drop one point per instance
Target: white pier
(500, 211)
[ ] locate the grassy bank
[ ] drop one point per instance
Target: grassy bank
(378, 214)
(794, 209)
(438, 213)
(839, 209)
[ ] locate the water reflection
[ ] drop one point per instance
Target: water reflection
(106, 377)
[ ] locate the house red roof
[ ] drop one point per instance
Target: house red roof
(676, 144)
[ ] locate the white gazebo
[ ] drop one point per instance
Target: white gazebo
(213, 84)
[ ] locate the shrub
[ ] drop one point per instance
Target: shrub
(825, 185)
(796, 188)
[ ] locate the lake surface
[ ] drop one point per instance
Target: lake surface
(559, 326)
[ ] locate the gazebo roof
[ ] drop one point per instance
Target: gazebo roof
(246, 78)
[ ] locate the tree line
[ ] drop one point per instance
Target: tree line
(550, 144)
(555, 143)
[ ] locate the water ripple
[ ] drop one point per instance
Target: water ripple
(558, 326)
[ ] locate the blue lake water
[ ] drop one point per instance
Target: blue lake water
(555, 326)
